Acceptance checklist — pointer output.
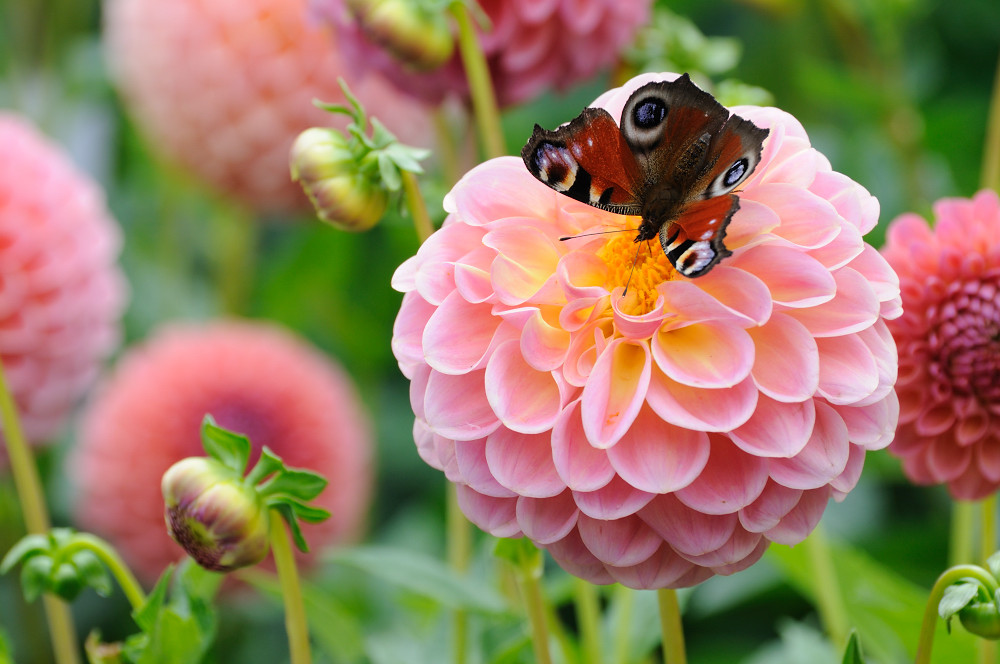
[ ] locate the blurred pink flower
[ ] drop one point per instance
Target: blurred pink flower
(661, 438)
(949, 341)
(224, 87)
(61, 292)
(253, 378)
(532, 46)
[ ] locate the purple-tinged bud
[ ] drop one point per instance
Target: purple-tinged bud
(217, 518)
(414, 32)
(342, 192)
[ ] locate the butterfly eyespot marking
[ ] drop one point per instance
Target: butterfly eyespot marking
(555, 166)
(735, 172)
(649, 113)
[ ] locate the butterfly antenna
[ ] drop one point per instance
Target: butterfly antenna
(630, 272)
(617, 230)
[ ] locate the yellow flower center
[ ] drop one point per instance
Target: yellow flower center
(642, 267)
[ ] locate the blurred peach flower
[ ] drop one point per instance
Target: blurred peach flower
(663, 437)
(253, 378)
(530, 47)
(223, 88)
(949, 342)
(61, 291)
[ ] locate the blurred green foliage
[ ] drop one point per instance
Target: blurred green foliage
(894, 92)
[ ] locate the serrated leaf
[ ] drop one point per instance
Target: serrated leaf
(230, 448)
(295, 483)
(27, 546)
(852, 653)
(956, 597)
(422, 575)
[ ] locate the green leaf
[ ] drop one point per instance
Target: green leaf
(423, 576)
(230, 448)
(993, 565)
(957, 597)
(381, 136)
(519, 552)
(295, 483)
(285, 510)
(852, 653)
(35, 576)
(145, 616)
(268, 464)
(389, 172)
(406, 157)
(92, 571)
(26, 547)
(308, 513)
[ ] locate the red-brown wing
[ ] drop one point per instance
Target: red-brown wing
(693, 242)
(588, 160)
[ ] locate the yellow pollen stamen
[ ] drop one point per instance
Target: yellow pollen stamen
(651, 269)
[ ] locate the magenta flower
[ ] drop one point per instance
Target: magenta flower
(254, 379)
(673, 434)
(532, 47)
(223, 89)
(949, 341)
(61, 292)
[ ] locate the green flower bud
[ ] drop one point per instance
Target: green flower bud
(417, 34)
(341, 191)
(217, 518)
(981, 619)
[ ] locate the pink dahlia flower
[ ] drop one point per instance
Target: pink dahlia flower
(663, 437)
(949, 341)
(223, 88)
(254, 379)
(531, 47)
(61, 292)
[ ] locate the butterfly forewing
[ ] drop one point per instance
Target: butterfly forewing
(588, 160)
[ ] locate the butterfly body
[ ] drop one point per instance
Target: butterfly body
(674, 161)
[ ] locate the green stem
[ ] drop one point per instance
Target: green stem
(36, 517)
(990, 176)
(459, 548)
(947, 578)
(235, 245)
(447, 154)
(109, 556)
(624, 601)
(829, 601)
(673, 630)
(484, 102)
(529, 576)
(987, 545)
(288, 576)
(417, 207)
(963, 520)
(588, 617)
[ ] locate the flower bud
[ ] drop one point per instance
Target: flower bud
(330, 173)
(218, 519)
(417, 35)
(981, 619)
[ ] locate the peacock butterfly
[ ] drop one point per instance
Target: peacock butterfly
(675, 161)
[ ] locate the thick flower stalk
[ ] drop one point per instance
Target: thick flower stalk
(661, 437)
(949, 341)
(524, 42)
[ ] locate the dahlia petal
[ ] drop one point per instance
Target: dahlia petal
(635, 327)
(823, 458)
(751, 224)
(852, 201)
(458, 334)
(418, 389)
(725, 293)
(793, 278)
(474, 470)
(795, 164)
(776, 429)
(456, 407)
(428, 445)
(663, 569)
(731, 480)
(879, 274)
(735, 550)
(701, 409)
(525, 263)
(739, 566)
(658, 457)
(525, 400)
(945, 460)
(971, 485)
(801, 519)
(497, 516)
(523, 463)
(688, 531)
(841, 250)
(472, 275)
(435, 275)
(807, 220)
(574, 557)
(584, 350)
(544, 344)
(785, 359)
(713, 354)
(972, 428)
(848, 479)
(854, 308)
(988, 458)
(580, 465)
(847, 371)
(936, 419)
(871, 427)
(620, 542)
(513, 191)
(615, 391)
(770, 508)
(544, 521)
(407, 332)
(615, 500)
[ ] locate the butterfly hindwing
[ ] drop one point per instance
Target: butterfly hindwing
(588, 160)
(693, 242)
